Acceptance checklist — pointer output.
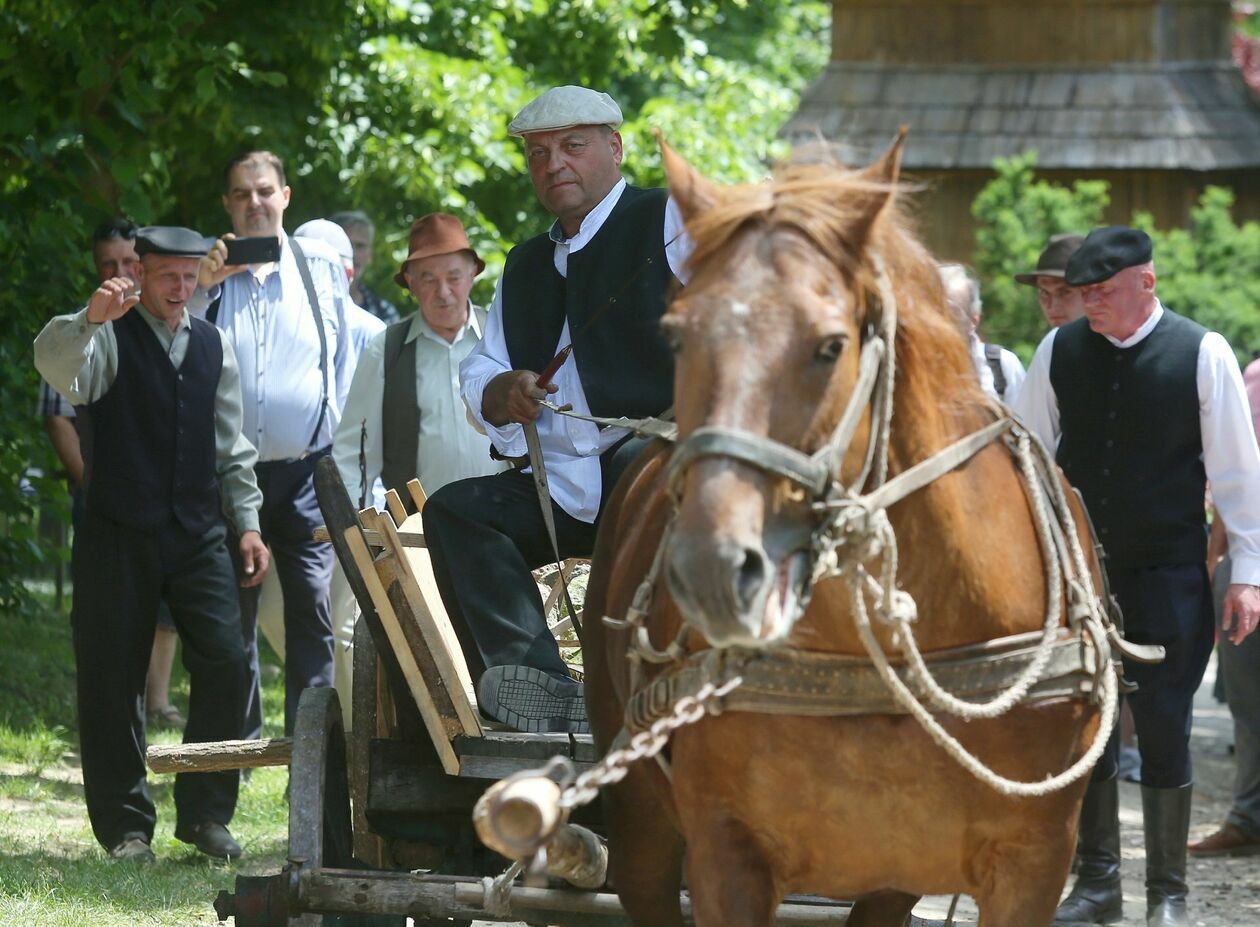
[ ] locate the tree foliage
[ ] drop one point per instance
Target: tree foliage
(1209, 271)
(397, 107)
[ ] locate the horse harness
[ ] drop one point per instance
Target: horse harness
(978, 681)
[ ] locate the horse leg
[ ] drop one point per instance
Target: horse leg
(1020, 896)
(729, 878)
(645, 850)
(882, 909)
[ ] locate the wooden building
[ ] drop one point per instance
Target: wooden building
(1141, 93)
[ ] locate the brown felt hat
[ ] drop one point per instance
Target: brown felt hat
(436, 233)
(1053, 260)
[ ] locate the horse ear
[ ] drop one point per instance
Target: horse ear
(882, 174)
(693, 192)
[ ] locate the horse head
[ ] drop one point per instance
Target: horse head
(767, 334)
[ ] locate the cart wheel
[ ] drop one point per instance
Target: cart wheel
(319, 794)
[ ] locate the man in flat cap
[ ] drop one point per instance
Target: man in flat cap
(166, 470)
(1059, 302)
(1144, 407)
(597, 280)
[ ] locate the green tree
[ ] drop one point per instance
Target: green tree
(1017, 214)
(398, 107)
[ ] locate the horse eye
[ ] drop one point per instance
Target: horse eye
(831, 347)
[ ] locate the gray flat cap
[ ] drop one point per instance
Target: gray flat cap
(564, 107)
(172, 241)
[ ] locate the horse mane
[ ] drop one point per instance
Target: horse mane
(832, 206)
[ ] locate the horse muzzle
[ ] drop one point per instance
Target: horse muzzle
(734, 592)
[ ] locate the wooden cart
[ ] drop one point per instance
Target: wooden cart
(380, 824)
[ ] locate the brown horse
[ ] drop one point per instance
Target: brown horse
(768, 334)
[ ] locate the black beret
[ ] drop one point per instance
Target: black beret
(1105, 253)
(172, 240)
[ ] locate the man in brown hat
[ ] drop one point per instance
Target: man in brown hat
(404, 418)
(1059, 302)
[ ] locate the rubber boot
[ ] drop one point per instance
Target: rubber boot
(1096, 896)
(1166, 815)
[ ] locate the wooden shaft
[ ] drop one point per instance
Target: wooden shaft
(219, 755)
(518, 816)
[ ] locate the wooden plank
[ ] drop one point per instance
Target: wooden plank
(216, 756)
(368, 847)
(528, 746)
(404, 785)
(373, 538)
(417, 493)
(394, 503)
(399, 646)
(418, 586)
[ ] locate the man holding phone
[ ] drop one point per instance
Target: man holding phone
(159, 402)
(283, 311)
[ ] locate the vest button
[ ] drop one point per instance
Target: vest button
(1103, 530)
(1115, 386)
(1102, 501)
(1106, 471)
(1111, 415)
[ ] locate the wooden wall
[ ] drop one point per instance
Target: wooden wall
(1029, 33)
(943, 210)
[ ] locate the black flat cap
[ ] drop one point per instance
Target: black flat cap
(172, 240)
(1053, 260)
(1105, 253)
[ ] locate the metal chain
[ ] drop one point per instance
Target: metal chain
(646, 744)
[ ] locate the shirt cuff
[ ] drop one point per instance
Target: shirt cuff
(246, 521)
(1245, 570)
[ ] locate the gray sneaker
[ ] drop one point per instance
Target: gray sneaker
(530, 700)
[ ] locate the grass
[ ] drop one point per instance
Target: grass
(52, 871)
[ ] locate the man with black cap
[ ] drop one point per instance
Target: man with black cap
(1144, 407)
(597, 280)
(1059, 302)
(404, 418)
(166, 470)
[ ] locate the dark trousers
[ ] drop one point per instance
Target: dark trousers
(484, 536)
(288, 519)
(120, 576)
(1171, 606)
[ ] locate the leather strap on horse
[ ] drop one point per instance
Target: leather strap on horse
(811, 684)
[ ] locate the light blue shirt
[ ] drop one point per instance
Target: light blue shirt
(268, 320)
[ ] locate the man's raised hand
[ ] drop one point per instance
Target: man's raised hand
(214, 268)
(112, 299)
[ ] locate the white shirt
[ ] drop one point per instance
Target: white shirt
(363, 328)
(571, 448)
(1230, 455)
(449, 448)
(267, 317)
(1012, 369)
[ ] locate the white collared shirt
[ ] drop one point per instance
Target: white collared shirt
(268, 319)
(1230, 455)
(449, 448)
(571, 448)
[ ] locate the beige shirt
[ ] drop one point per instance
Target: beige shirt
(80, 359)
(449, 447)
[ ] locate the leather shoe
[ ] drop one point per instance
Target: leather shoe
(133, 847)
(1227, 841)
(213, 839)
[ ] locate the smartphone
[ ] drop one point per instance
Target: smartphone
(258, 250)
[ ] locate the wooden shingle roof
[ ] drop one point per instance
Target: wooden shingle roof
(1198, 116)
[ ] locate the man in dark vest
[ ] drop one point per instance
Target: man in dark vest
(597, 280)
(1144, 407)
(166, 469)
(404, 418)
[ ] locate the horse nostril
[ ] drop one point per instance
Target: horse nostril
(749, 578)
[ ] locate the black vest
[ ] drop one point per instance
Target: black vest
(148, 443)
(1131, 439)
(621, 279)
(400, 406)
